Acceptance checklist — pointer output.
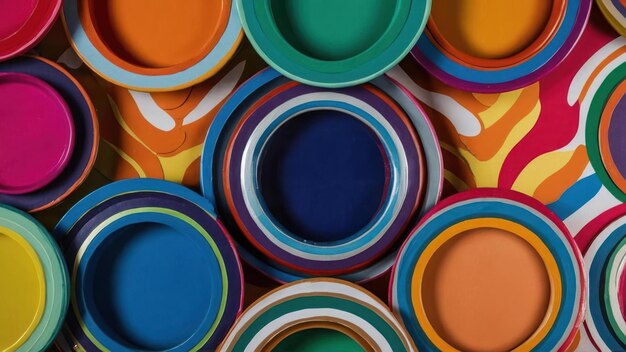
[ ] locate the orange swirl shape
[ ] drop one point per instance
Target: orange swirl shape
(499, 140)
(160, 135)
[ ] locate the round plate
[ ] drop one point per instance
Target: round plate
(613, 275)
(501, 204)
(615, 13)
(317, 300)
(85, 134)
(604, 123)
(333, 44)
(34, 283)
(597, 240)
(431, 56)
(487, 34)
(129, 206)
(239, 103)
(259, 126)
(264, 82)
(127, 50)
(41, 133)
(24, 23)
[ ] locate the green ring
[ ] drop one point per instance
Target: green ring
(312, 302)
(592, 128)
(408, 23)
(607, 301)
(55, 274)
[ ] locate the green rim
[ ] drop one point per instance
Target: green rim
(316, 302)
(55, 274)
(592, 133)
(607, 292)
(407, 24)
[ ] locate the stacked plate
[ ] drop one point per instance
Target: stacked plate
(320, 182)
(119, 41)
(490, 270)
(496, 46)
(332, 43)
(605, 125)
(603, 242)
(151, 269)
(24, 23)
(61, 150)
(318, 315)
(35, 285)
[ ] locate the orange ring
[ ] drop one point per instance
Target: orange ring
(86, 9)
(469, 60)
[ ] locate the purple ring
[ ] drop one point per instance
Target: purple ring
(402, 219)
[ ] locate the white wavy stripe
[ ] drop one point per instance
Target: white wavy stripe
(380, 342)
(585, 105)
(320, 288)
(216, 95)
(70, 59)
(461, 118)
(162, 120)
(152, 112)
(585, 72)
(588, 260)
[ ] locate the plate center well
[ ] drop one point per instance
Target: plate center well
(332, 30)
(153, 286)
(486, 289)
(323, 175)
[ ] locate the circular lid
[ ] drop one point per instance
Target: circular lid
(34, 284)
(23, 23)
(42, 133)
(333, 43)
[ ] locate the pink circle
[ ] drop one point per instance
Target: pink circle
(36, 133)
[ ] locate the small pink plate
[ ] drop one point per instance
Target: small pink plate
(36, 133)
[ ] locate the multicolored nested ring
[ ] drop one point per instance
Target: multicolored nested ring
(612, 281)
(498, 223)
(404, 185)
(522, 74)
(509, 206)
(318, 300)
(244, 98)
(94, 224)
